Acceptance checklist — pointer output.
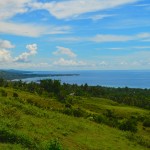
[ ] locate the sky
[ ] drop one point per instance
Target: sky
(75, 34)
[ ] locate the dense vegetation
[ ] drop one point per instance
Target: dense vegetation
(50, 115)
(129, 96)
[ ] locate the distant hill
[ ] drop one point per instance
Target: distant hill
(17, 74)
(13, 74)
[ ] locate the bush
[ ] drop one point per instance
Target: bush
(4, 93)
(15, 94)
(8, 136)
(146, 122)
(78, 112)
(68, 105)
(68, 111)
(129, 125)
(99, 118)
(54, 145)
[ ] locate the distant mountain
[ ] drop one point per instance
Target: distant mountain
(16, 71)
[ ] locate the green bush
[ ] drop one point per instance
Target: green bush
(68, 111)
(54, 145)
(8, 136)
(76, 112)
(3, 93)
(146, 122)
(15, 94)
(129, 125)
(99, 118)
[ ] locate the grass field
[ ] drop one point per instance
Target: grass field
(28, 121)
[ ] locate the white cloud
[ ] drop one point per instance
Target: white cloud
(121, 38)
(32, 48)
(24, 56)
(72, 8)
(136, 60)
(64, 51)
(5, 56)
(64, 62)
(5, 44)
(92, 17)
(99, 17)
(60, 9)
(9, 8)
(143, 35)
(103, 63)
(31, 30)
(111, 38)
(100, 38)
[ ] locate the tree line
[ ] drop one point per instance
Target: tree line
(54, 88)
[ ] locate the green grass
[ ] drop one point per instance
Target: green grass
(32, 122)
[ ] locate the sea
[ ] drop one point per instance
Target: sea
(107, 78)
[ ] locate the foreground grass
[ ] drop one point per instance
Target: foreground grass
(31, 122)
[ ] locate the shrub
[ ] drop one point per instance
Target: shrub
(68, 105)
(110, 114)
(78, 112)
(54, 145)
(129, 125)
(4, 93)
(68, 111)
(15, 94)
(8, 136)
(99, 118)
(146, 122)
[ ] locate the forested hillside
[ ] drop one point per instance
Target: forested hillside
(16, 74)
(51, 116)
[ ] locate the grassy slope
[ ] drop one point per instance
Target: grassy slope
(36, 120)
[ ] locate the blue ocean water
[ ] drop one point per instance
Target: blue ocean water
(116, 78)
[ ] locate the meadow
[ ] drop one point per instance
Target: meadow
(29, 120)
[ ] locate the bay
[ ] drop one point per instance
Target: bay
(109, 78)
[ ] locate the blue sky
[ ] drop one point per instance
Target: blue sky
(75, 34)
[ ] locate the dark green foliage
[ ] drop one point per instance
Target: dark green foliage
(53, 88)
(3, 93)
(110, 114)
(61, 96)
(68, 105)
(15, 95)
(2, 82)
(8, 136)
(129, 125)
(146, 122)
(112, 122)
(76, 112)
(100, 119)
(54, 145)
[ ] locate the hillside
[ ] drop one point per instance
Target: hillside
(31, 121)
